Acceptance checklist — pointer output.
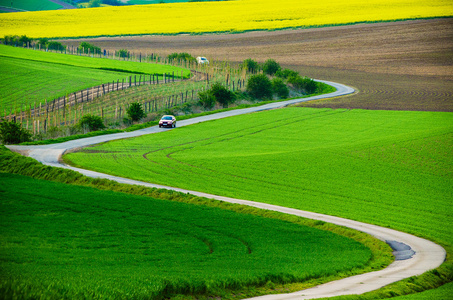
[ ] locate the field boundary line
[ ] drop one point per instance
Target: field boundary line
(428, 255)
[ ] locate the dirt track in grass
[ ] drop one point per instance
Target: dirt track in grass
(405, 65)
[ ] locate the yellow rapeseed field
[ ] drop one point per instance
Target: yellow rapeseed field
(225, 16)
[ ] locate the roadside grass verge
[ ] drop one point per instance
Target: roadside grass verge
(389, 168)
(129, 243)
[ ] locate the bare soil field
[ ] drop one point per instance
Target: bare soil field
(406, 65)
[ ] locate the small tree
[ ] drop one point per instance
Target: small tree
(13, 133)
(280, 88)
(24, 40)
(135, 111)
(251, 65)
(56, 46)
(91, 122)
(222, 94)
(271, 67)
(43, 42)
(123, 53)
(259, 86)
(87, 47)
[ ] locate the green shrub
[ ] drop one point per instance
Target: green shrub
(135, 111)
(222, 94)
(181, 57)
(24, 40)
(286, 73)
(303, 84)
(207, 99)
(271, 67)
(91, 122)
(86, 47)
(280, 88)
(251, 65)
(13, 133)
(123, 53)
(55, 46)
(259, 86)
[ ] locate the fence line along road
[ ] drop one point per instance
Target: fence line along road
(89, 94)
(426, 254)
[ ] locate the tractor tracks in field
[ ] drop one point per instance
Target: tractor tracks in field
(427, 255)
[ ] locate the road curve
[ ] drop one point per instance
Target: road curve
(428, 255)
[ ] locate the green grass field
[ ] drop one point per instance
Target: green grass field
(352, 163)
(27, 82)
(30, 5)
(62, 241)
(391, 168)
(31, 77)
(313, 159)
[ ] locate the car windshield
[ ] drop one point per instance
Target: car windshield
(203, 58)
(166, 118)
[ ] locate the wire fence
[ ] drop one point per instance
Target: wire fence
(111, 100)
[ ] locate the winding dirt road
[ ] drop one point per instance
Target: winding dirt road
(428, 255)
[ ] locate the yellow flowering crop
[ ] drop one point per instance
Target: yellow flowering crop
(225, 16)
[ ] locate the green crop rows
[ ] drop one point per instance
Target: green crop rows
(31, 77)
(62, 241)
(26, 82)
(383, 167)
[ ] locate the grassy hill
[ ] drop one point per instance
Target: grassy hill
(391, 168)
(31, 77)
(311, 159)
(59, 243)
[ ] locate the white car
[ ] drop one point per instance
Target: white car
(202, 60)
(167, 121)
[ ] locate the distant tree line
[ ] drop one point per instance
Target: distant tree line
(24, 41)
(15, 40)
(44, 43)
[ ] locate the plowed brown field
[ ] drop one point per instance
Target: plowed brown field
(405, 65)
